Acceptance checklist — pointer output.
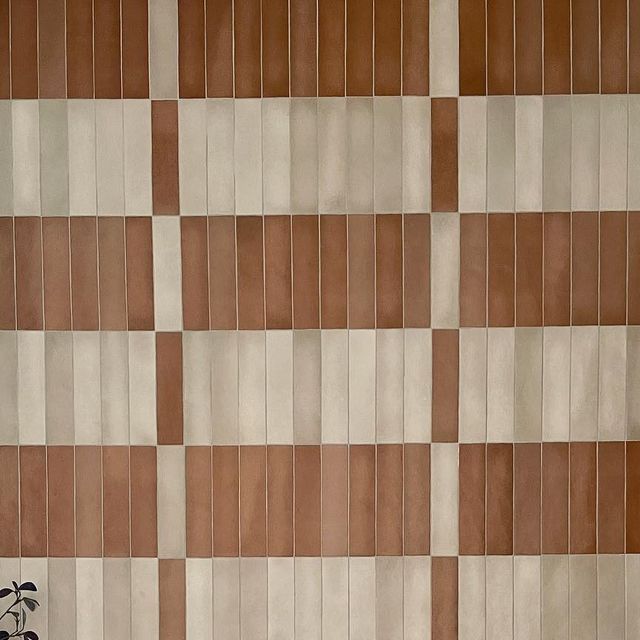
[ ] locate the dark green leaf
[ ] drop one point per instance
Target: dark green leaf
(28, 586)
(5, 592)
(31, 635)
(31, 604)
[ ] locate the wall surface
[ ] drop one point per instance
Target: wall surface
(320, 319)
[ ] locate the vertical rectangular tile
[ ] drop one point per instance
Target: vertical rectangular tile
(6, 155)
(528, 287)
(306, 272)
(473, 45)
(473, 270)
(171, 489)
(556, 385)
(224, 386)
(632, 512)
(500, 49)
(304, 155)
(79, 41)
(334, 371)
(31, 388)
(9, 496)
(222, 273)
(54, 158)
(275, 48)
(335, 598)
(499, 499)
(331, 31)
(633, 267)
(280, 500)
(196, 373)
(557, 154)
(24, 47)
(362, 467)
(28, 269)
(279, 382)
(61, 598)
(528, 384)
(613, 155)
(135, 49)
(226, 597)
(417, 281)
(501, 270)
(116, 502)
(529, 153)
(253, 502)
(611, 504)
(387, 154)
(111, 274)
(416, 154)
(303, 74)
(555, 497)
(555, 596)
(109, 159)
(9, 388)
(169, 388)
(81, 132)
(387, 47)
(56, 276)
(444, 506)
(276, 155)
(389, 385)
(139, 259)
(165, 157)
(417, 598)
(389, 500)
(333, 271)
(225, 487)
(472, 597)
(198, 487)
(307, 382)
(219, 43)
(26, 153)
(585, 44)
(611, 597)
(114, 387)
(582, 597)
(163, 50)
(528, 53)
(359, 45)
(557, 268)
(88, 496)
(250, 273)
(633, 192)
(444, 598)
(192, 155)
(613, 267)
(500, 384)
(143, 496)
(473, 385)
(585, 151)
(5, 55)
(307, 500)
(526, 498)
(195, 281)
(633, 621)
(526, 597)
(633, 371)
(501, 153)
(117, 598)
(89, 585)
(253, 598)
(557, 47)
(334, 500)
(389, 291)
(172, 599)
(361, 265)
(199, 597)
(444, 155)
(613, 46)
(332, 155)
(612, 389)
(220, 156)
(389, 598)
(137, 156)
(360, 155)
(584, 271)
(362, 597)
(445, 365)
(86, 388)
(167, 294)
(37, 570)
(443, 48)
(472, 483)
(308, 596)
(107, 49)
(58, 362)
(278, 280)
(33, 501)
(582, 497)
(584, 383)
(191, 49)
(472, 161)
(499, 597)
(251, 387)
(246, 157)
(281, 598)
(246, 24)
(445, 270)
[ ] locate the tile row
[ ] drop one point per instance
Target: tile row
(410, 598)
(312, 387)
(329, 500)
(360, 271)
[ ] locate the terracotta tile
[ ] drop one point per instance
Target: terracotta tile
(529, 270)
(417, 280)
(191, 49)
(24, 49)
(444, 154)
(555, 497)
(79, 19)
(417, 477)
(219, 40)
(361, 270)
(57, 283)
(139, 273)
(333, 271)
(249, 232)
(501, 270)
(253, 501)
(135, 49)
(307, 530)
(144, 517)
(415, 47)
(473, 56)
(7, 274)
(164, 161)
(444, 598)
(303, 46)
(111, 269)
(584, 268)
(84, 273)
(444, 412)
(169, 387)
(473, 270)
(275, 48)
(33, 501)
(9, 517)
(387, 48)
(5, 56)
(582, 499)
(88, 502)
(222, 273)
(362, 508)
(331, 47)
(195, 279)
(499, 499)
(115, 492)
(172, 599)
(277, 256)
(359, 67)
(471, 512)
(106, 48)
(389, 496)
(199, 502)
(225, 501)
(557, 268)
(335, 500)
(60, 481)
(306, 279)
(557, 45)
(634, 47)
(584, 46)
(28, 247)
(527, 496)
(280, 500)
(246, 25)
(500, 48)
(613, 267)
(633, 498)
(633, 272)
(389, 271)
(528, 25)
(51, 48)
(611, 488)
(613, 46)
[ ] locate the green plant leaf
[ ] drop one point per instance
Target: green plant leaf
(28, 586)
(31, 604)
(5, 592)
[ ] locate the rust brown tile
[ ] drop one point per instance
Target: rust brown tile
(634, 47)
(191, 49)
(362, 500)
(613, 46)
(28, 246)
(331, 47)
(472, 44)
(249, 232)
(9, 515)
(106, 48)
(144, 492)
(582, 498)
(444, 598)
(172, 599)
(306, 279)
(219, 40)
(57, 282)
(611, 506)
(60, 481)
(303, 47)
(246, 25)
(51, 48)
(195, 277)
(584, 268)
(387, 47)
(417, 279)
(557, 268)
(389, 496)
(199, 521)
(585, 42)
(307, 531)
(79, 19)
(389, 252)
(164, 157)
(24, 49)
(529, 270)
(253, 500)
(528, 24)
(225, 487)
(501, 270)
(499, 499)
(7, 275)
(444, 392)
(275, 48)
(33, 501)
(361, 271)
(88, 502)
(277, 269)
(359, 64)
(632, 514)
(222, 272)
(111, 269)
(500, 47)
(415, 47)
(280, 500)
(115, 506)
(417, 506)
(139, 258)
(473, 270)
(84, 273)
(135, 49)
(335, 500)
(444, 154)
(333, 271)
(471, 466)
(169, 387)
(527, 496)
(555, 497)
(5, 56)
(557, 46)
(613, 267)
(633, 269)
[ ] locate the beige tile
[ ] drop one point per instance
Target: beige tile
(445, 270)
(387, 154)
(583, 597)
(360, 155)
(137, 157)
(362, 598)
(26, 157)
(163, 50)
(529, 147)
(585, 152)
(362, 385)
(444, 499)
(499, 594)
(117, 598)
(171, 502)
(471, 598)
(417, 597)
(528, 393)
(612, 387)
(192, 156)
(389, 385)
(557, 154)
(9, 387)
(144, 598)
(584, 383)
(306, 387)
(226, 598)
(61, 598)
(253, 598)
(500, 153)
(443, 48)
(472, 153)
(276, 155)
(81, 128)
(251, 387)
(335, 598)
(304, 155)
(332, 155)
(199, 597)
(473, 385)
(335, 385)
(613, 152)
(114, 387)
(308, 598)
(54, 163)
(556, 372)
(31, 387)
(526, 598)
(224, 386)
(279, 346)
(58, 354)
(281, 589)
(417, 385)
(220, 157)
(416, 154)
(109, 157)
(611, 597)
(555, 597)
(500, 384)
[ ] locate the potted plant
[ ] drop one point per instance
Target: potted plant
(18, 610)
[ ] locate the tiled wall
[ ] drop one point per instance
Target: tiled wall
(320, 320)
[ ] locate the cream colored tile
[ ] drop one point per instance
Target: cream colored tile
(471, 598)
(332, 155)
(528, 400)
(279, 347)
(144, 598)
(472, 153)
(26, 157)
(308, 598)
(81, 128)
(199, 598)
(86, 387)
(633, 592)
(360, 155)
(473, 385)
(444, 499)
(6, 158)
(31, 387)
(171, 502)
(389, 598)
(163, 50)
(89, 616)
(613, 152)
(192, 156)
(335, 385)
(54, 158)
(251, 387)
(247, 156)
(555, 597)
(362, 386)
(416, 154)
(335, 598)
(611, 597)
(526, 597)
(529, 145)
(445, 270)
(557, 154)
(500, 384)
(276, 155)
(167, 277)
(137, 157)
(501, 153)
(307, 383)
(196, 381)
(224, 386)
(633, 159)
(585, 152)
(114, 387)
(109, 157)
(584, 383)
(36, 570)
(556, 384)
(61, 598)
(281, 589)
(389, 385)
(220, 156)
(633, 382)
(417, 597)
(362, 598)
(226, 598)
(117, 598)
(583, 597)
(387, 154)
(58, 356)
(304, 155)
(499, 594)
(443, 48)
(612, 383)
(142, 388)
(9, 387)
(417, 385)
(253, 598)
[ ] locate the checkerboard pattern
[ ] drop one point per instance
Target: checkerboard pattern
(320, 319)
